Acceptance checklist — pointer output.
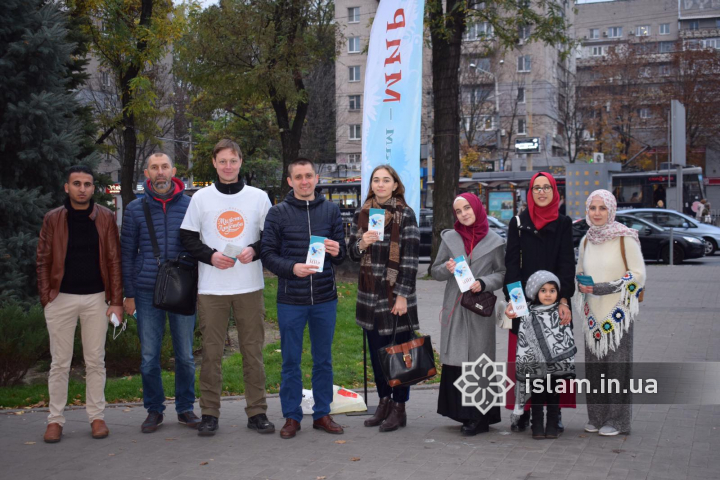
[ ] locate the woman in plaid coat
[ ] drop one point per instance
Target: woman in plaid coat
(386, 285)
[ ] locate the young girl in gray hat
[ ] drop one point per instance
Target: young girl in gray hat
(545, 355)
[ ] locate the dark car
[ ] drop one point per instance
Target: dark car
(654, 240)
(426, 226)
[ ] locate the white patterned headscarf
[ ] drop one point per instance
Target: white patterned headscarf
(611, 229)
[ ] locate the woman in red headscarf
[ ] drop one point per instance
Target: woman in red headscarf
(540, 238)
(466, 336)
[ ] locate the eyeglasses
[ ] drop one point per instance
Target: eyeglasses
(544, 188)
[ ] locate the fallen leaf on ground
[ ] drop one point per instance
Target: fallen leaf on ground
(355, 459)
(203, 463)
(170, 439)
(30, 443)
(340, 441)
(128, 410)
(617, 450)
(19, 413)
(320, 478)
(582, 436)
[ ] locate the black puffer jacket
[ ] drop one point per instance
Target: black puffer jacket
(285, 242)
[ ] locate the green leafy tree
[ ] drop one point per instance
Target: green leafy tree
(41, 131)
(260, 53)
(447, 20)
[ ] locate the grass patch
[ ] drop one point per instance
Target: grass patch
(347, 363)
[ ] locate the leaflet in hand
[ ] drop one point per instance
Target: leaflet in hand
(376, 223)
(517, 299)
(586, 280)
(316, 252)
(232, 251)
(463, 275)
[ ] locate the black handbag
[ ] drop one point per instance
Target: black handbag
(482, 303)
(176, 281)
(407, 363)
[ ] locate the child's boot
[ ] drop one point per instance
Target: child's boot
(553, 417)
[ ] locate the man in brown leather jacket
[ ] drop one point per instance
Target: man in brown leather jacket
(78, 270)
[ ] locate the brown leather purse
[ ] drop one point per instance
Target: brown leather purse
(482, 303)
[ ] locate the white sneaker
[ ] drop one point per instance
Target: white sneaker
(608, 431)
(591, 428)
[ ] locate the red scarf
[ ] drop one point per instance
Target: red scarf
(541, 216)
(472, 234)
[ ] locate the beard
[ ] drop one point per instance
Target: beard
(161, 185)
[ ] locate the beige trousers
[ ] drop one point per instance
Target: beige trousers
(61, 316)
(214, 313)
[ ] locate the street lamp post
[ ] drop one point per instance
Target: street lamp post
(498, 138)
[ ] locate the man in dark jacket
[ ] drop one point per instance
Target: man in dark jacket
(164, 196)
(305, 296)
(79, 273)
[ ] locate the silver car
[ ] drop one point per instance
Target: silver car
(680, 222)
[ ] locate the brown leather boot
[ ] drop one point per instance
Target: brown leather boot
(396, 419)
(290, 428)
(381, 413)
(99, 429)
(53, 434)
(326, 423)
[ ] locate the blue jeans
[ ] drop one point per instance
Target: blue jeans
(321, 322)
(151, 329)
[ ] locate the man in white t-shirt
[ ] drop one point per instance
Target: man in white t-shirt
(222, 230)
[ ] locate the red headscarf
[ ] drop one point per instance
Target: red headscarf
(541, 216)
(472, 234)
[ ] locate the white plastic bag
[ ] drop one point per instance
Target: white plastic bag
(344, 401)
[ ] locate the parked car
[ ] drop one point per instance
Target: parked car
(426, 225)
(681, 223)
(654, 240)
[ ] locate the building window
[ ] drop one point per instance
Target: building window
(521, 95)
(105, 80)
(355, 132)
(478, 31)
(354, 73)
(354, 157)
(664, 70)
(615, 32)
(480, 64)
(354, 102)
(598, 51)
(354, 45)
(711, 43)
(694, 25)
(354, 15)
(664, 29)
(643, 31)
(644, 113)
(523, 63)
(522, 126)
(666, 47)
(594, 33)
(523, 32)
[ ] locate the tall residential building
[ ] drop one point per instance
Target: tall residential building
(528, 82)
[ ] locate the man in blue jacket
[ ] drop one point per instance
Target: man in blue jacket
(165, 196)
(305, 297)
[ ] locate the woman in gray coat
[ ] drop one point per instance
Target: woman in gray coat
(466, 336)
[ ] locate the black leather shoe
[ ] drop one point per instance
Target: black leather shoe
(189, 419)
(522, 424)
(152, 422)
(208, 426)
(260, 423)
(470, 428)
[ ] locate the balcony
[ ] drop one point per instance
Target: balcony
(701, 33)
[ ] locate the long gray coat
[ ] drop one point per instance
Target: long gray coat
(465, 336)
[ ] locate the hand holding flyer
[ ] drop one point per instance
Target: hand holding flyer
(232, 251)
(376, 222)
(517, 299)
(463, 275)
(316, 253)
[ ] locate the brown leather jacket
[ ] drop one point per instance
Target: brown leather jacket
(52, 248)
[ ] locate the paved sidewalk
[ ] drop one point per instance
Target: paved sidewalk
(678, 323)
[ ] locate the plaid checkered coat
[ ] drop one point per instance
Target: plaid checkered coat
(372, 310)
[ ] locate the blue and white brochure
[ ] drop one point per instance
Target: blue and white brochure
(376, 223)
(316, 253)
(517, 299)
(463, 275)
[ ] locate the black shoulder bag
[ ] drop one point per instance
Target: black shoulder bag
(176, 282)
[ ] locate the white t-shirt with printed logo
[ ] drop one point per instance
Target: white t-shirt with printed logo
(228, 219)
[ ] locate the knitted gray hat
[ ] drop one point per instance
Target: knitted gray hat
(537, 280)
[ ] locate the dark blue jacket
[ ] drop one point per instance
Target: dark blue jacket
(138, 262)
(285, 242)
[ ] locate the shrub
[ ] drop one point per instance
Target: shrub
(23, 340)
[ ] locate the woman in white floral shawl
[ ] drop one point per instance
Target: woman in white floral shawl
(610, 254)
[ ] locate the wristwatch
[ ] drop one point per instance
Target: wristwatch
(361, 250)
